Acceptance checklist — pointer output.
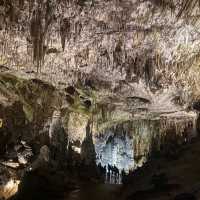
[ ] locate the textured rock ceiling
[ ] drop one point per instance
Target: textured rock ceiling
(146, 50)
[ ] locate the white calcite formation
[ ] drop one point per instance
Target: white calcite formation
(115, 150)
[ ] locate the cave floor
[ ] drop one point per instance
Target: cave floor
(95, 192)
(183, 174)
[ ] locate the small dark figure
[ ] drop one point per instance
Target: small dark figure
(109, 169)
(104, 170)
(116, 171)
(112, 170)
(108, 176)
(123, 173)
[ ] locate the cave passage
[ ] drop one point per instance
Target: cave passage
(115, 153)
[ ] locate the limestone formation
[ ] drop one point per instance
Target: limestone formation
(84, 82)
(42, 159)
(88, 153)
(58, 138)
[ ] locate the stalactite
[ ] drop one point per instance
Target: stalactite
(36, 32)
(148, 70)
(187, 7)
(148, 136)
(42, 17)
(21, 3)
(64, 31)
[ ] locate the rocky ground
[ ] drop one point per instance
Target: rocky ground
(181, 176)
(181, 180)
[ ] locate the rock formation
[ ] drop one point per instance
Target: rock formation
(85, 81)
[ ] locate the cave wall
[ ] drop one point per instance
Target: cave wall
(26, 106)
(130, 144)
(30, 107)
